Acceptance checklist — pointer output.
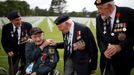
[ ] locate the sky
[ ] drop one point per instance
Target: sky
(77, 5)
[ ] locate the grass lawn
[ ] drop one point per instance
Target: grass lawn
(57, 36)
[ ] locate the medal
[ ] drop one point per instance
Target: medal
(124, 29)
(104, 24)
(104, 32)
(12, 34)
(122, 36)
(112, 34)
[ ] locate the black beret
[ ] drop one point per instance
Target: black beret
(99, 2)
(61, 19)
(13, 14)
(35, 30)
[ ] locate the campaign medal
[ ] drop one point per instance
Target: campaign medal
(104, 24)
(112, 34)
(124, 27)
(122, 36)
(78, 35)
(12, 34)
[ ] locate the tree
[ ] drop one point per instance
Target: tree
(57, 6)
(9, 5)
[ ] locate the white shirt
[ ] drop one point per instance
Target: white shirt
(18, 30)
(113, 17)
(70, 38)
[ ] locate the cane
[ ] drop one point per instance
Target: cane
(104, 72)
(11, 66)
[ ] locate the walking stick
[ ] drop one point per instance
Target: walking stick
(11, 66)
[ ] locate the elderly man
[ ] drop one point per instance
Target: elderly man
(14, 36)
(115, 28)
(80, 55)
(41, 57)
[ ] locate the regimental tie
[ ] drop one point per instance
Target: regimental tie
(68, 44)
(16, 34)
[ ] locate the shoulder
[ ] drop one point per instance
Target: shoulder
(26, 24)
(79, 25)
(126, 10)
(8, 25)
(30, 44)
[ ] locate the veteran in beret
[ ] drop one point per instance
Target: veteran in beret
(41, 55)
(14, 36)
(114, 29)
(80, 51)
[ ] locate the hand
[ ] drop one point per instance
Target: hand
(10, 53)
(51, 41)
(46, 43)
(34, 73)
(29, 40)
(93, 71)
(112, 50)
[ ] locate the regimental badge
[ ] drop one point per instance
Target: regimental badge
(12, 34)
(122, 36)
(78, 35)
(51, 51)
(98, 1)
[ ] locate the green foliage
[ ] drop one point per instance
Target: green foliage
(7, 6)
(57, 6)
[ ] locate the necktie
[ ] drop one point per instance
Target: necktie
(16, 34)
(108, 24)
(68, 44)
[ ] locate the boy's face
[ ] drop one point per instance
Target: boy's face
(38, 38)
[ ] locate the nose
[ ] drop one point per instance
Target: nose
(38, 39)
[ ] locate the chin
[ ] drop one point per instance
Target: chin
(38, 43)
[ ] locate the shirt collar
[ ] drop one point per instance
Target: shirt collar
(72, 28)
(15, 27)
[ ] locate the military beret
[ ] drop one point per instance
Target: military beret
(61, 19)
(99, 2)
(13, 14)
(35, 30)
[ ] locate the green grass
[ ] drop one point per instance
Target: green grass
(57, 36)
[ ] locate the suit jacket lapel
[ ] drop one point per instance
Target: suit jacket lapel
(74, 34)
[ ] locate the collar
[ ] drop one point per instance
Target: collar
(15, 27)
(72, 28)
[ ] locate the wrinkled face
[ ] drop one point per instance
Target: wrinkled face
(17, 21)
(64, 27)
(38, 38)
(104, 9)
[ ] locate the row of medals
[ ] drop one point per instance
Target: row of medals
(119, 28)
(23, 39)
